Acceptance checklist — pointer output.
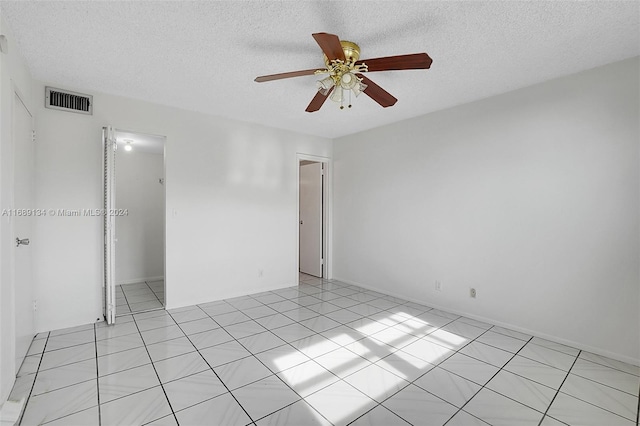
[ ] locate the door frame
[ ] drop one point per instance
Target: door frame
(327, 195)
(17, 94)
(109, 176)
(109, 195)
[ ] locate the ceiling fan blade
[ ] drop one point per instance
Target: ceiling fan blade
(377, 93)
(318, 101)
(280, 76)
(413, 61)
(330, 45)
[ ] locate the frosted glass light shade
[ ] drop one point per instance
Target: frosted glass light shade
(336, 96)
(325, 84)
(348, 81)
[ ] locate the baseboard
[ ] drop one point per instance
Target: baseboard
(139, 280)
(11, 411)
(577, 345)
(231, 295)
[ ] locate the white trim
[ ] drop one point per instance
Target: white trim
(111, 178)
(328, 198)
(109, 146)
(11, 411)
(139, 280)
(239, 293)
(577, 345)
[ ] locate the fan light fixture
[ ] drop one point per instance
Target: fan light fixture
(342, 80)
(346, 72)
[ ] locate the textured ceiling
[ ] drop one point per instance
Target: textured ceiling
(204, 56)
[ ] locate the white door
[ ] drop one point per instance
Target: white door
(23, 201)
(109, 147)
(311, 219)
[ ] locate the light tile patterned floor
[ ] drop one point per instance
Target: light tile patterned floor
(318, 354)
(139, 297)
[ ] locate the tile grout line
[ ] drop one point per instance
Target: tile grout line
(251, 297)
(154, 293)
(483, 386)
(157, 375)
(604, 384)
(95, 344)
(211, 368)
(438, 366)
(638, 408)
(35, 377)
(409, 383)
(611, 367)
(259, 360)
(125, 299)
(587, 402)
(558, 390)
(294, 348)
(148, 290)
(250, 318)
(150, 297)
(369, 336)
(325, 315)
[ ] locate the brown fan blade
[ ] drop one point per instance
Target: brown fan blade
(377, 93)
(280, 76)
(330, 45)
(318, 101)
(413, 61)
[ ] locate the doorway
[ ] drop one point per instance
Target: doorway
(135, 259)
(312, 215)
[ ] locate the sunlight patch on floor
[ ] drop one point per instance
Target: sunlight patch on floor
(309, 379)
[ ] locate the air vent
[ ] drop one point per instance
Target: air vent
(68, 101)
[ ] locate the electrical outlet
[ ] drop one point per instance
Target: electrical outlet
(472, 292)
(438, 285)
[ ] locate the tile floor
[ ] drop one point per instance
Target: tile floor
(318, 354)
(139, 297)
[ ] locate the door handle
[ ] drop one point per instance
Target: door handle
(24, 242)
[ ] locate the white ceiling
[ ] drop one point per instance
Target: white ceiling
(204, 56)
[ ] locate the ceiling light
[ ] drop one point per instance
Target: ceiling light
(348, 81)
(336, 96)
(128, 146)
(325, 84)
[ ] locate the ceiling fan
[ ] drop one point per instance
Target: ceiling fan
(343, 64)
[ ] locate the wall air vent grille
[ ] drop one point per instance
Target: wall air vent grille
(68, 101)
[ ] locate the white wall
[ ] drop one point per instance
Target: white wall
(140, 233)
(13, 75)
(230, 194)
(531, 197)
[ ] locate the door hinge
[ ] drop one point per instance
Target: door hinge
(33, 136)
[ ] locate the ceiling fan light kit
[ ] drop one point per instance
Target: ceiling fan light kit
(343, 64)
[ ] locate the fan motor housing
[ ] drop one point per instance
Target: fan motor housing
(351, 52)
